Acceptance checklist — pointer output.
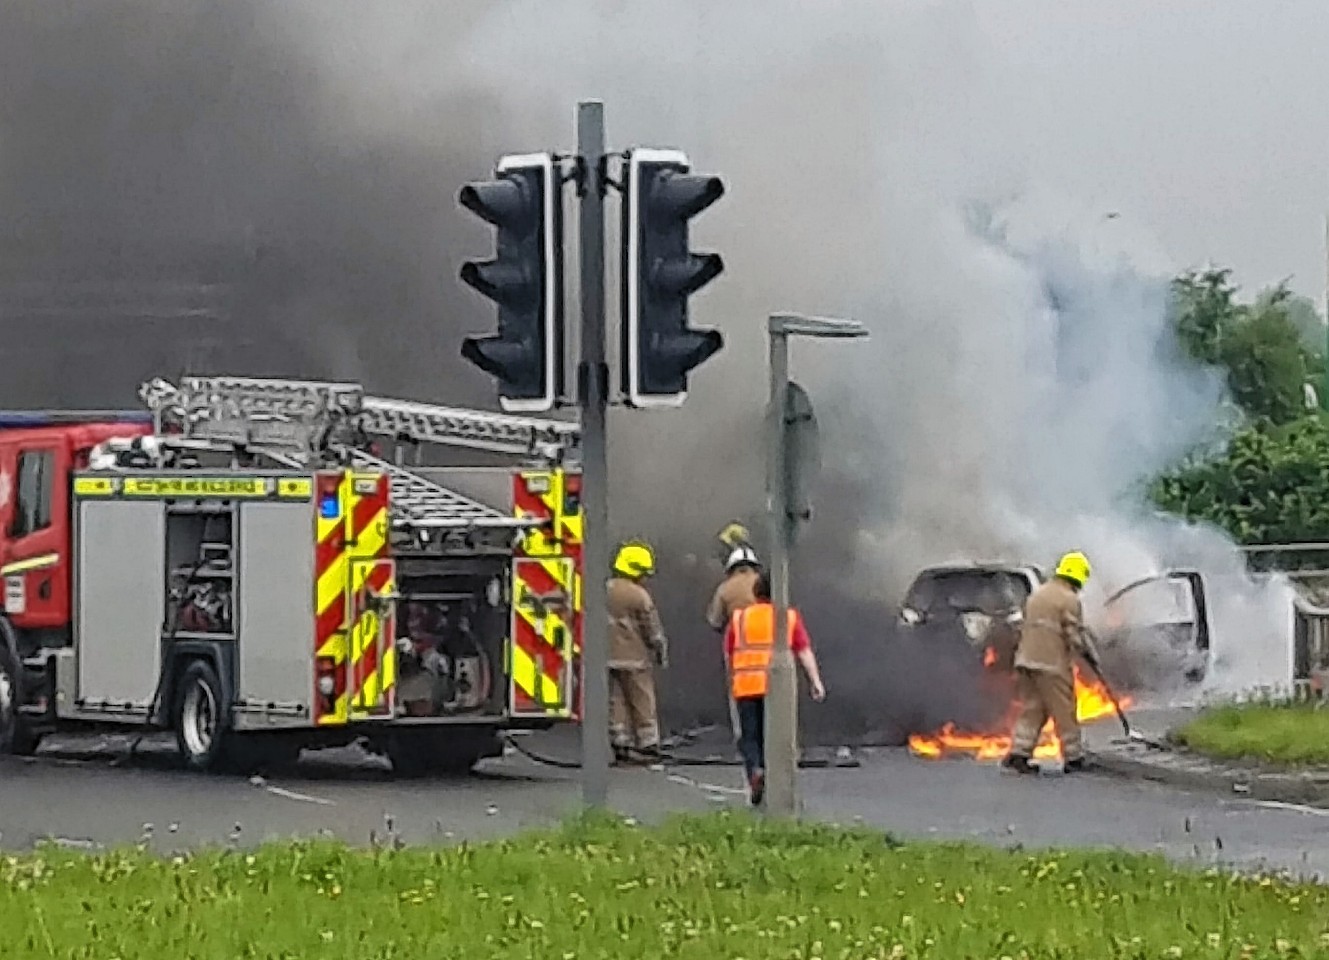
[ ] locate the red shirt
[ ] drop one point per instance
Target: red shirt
(799, 642)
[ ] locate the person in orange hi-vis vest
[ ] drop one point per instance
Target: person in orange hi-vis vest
(749, 643)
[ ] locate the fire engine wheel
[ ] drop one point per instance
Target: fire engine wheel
(200, 722)
(15, 737)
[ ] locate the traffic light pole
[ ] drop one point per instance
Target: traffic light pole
(593, 399)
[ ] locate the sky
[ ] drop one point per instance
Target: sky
(1203, 121)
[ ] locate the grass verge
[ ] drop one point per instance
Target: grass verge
(709, 888)
(1283, 734)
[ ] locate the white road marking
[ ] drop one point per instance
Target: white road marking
(1298, 807)
(703, 785)
(302, 797)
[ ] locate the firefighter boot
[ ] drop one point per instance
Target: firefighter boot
(757, 787)
(1018, 763)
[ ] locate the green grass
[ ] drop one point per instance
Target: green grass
(724, 886)
(1286, 734)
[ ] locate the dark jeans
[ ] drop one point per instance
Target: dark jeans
(752, 733)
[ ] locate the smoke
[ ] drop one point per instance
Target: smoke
(296, 167)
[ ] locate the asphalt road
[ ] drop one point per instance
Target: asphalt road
(107, 798)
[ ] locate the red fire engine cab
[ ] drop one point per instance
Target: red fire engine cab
(239, 564)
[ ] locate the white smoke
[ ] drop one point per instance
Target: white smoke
(1020, 384)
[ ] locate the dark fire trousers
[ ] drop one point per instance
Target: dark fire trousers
(752, 733)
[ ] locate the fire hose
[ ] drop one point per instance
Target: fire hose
(1133, 735)
(668, 759)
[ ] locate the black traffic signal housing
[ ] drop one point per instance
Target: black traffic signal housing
(525, 279)
(660, 273)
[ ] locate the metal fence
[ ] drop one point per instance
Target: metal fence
(1310, 631)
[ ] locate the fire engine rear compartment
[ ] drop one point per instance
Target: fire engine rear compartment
(158, 582)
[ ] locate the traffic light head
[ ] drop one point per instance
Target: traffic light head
(660, 273)
(524, 279)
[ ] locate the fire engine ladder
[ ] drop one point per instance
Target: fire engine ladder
(218, 407)
(201, 399)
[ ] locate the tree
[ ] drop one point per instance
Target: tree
(1269, 486)
(1258, 344)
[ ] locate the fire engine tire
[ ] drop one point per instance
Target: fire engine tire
(16, 737)
(199, 717)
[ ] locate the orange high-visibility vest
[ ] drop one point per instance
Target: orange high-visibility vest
(754, 639)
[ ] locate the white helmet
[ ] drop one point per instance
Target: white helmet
(741, 556)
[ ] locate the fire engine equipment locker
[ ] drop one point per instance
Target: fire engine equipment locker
(276, 623)
(119, 585)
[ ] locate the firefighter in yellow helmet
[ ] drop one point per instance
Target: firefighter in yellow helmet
(1052, 635)
(637, 644)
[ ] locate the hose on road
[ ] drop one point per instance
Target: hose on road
(663, 759)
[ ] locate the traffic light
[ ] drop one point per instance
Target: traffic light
(525, 279)
(660, 272)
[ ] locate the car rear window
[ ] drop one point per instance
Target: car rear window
(989, 591)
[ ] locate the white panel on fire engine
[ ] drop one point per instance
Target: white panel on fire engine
(120, 604)
(276, 615)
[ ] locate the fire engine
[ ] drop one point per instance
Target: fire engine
(244, 564)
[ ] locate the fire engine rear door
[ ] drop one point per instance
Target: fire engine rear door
(373, 656)
(541, 649)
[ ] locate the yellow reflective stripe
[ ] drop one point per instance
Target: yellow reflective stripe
(333, 581)
(34, 563)
(544, 690)
(295, 488)
(94, 486)
(338, 714)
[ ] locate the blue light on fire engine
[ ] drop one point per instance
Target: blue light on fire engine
(328, 508)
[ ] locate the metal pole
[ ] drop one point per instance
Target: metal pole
(1324, 386)
(593, 383)
(781, 733)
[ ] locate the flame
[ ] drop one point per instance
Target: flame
(989, 656)
(1091, 703)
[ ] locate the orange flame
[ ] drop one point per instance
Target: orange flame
(989, 656)
(1091, 703)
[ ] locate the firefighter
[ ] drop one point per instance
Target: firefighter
(1051, 636)
(742, 570)
(637, 644)
(749, 644)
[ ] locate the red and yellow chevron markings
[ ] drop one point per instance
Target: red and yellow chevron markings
(351, 563)
(546, 635)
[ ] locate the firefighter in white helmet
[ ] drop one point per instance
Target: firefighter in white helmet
(741, 569)
(734, 593)
(1052, 635)
(637, 644)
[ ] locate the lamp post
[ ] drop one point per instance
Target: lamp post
(783, 473)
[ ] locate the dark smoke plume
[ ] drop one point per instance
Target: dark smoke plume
(270, 188)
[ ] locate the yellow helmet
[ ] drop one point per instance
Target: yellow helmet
(1074, 567)
(634, 560)
(735, 535)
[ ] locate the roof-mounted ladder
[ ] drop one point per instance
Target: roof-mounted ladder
(237, 408)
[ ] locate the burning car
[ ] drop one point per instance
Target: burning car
(968, 617)
(1156, 629)
(980, 604)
